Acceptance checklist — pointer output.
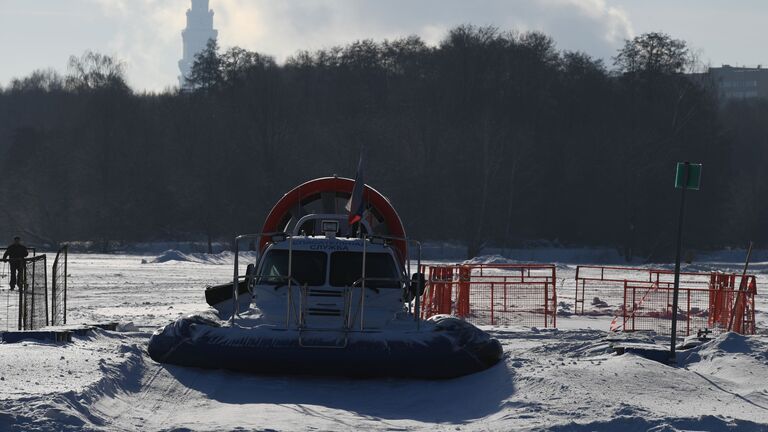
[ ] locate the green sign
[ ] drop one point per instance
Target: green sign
(694, 175)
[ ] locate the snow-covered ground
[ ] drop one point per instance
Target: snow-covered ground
(566, 379)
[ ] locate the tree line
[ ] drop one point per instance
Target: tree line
(490, 138)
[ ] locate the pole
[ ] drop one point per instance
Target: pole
(362, 287)
(7, 301)
(677, 264)
(45, 288)
(20, 285)
(419, 288)
(236, 276)
(66, 249)
(742, 285)
(31, 318)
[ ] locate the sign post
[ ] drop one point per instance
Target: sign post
(687, 176)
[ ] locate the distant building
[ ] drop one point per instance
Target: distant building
(195, 36)
(740, 82)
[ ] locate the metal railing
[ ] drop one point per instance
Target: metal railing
(707, 307)
(59, 287)
(488, 294)
(31, 305)
(642, 299)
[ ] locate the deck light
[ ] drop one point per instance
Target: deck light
(330, 227)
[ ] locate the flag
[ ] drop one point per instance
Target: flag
(355, 204)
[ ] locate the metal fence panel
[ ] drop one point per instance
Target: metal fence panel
(641, 299)
(59, 288)
(493, 294)
(33, 294)
(9, 305)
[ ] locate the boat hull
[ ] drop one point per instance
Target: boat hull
(446, 348)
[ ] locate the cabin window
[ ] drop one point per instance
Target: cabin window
(308, 267)
(346, 269)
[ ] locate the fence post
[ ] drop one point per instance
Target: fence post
(45, 288)
(66, 258)
(688, 316)
(31, 319)
(576, 297)
(463, 292)
(492, 320)
(634, 307)
(21, 299)
(713, 299)
(429, 293)
(505, 296)
(53, 293)
(624, 307)
(752, 293)
(546, 302)
(554, 297)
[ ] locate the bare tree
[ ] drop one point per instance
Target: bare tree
(653, 53)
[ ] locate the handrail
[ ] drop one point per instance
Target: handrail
(235, 294)
(321, 216)
(362, 291)
(370, 239)
(417, 305)
(290, 276)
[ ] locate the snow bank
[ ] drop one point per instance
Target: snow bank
(538, 253)
(501, 260)
(52, 386)
(549, 255)
(220, 258)
(728, 346)
(490, 259)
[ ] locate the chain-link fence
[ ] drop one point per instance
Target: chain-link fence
(487, 294)
(25, 306)
(712, 308)
(9, 308)
(33, 294)
(642, 299)
(59, 288)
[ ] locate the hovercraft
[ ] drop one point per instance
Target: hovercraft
(326, 297)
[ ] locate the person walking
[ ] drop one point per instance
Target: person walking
(15, 254)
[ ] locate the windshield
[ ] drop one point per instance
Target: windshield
(346, 269)
(308, 268)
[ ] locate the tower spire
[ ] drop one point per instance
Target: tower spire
(195, 36)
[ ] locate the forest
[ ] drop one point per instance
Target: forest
(490, 138)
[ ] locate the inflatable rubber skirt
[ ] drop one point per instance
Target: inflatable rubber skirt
(443, 347)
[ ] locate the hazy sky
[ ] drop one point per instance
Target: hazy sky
(146, 34)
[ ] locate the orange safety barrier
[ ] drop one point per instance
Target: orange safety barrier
(462, 301)
(743, 316)
(506, 294)
(721, 298)
(641, 299)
